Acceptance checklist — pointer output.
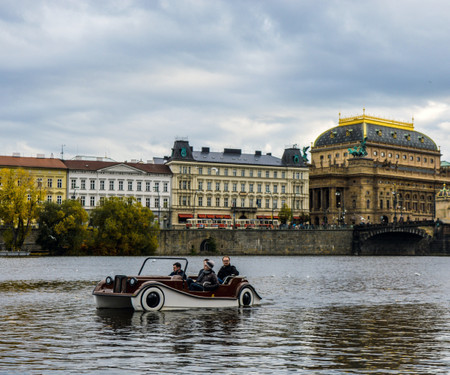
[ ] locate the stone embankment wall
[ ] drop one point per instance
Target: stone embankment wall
(256, 242)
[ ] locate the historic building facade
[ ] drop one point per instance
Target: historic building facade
(230, 187)
(372, 170)
(50, 174)
(93, 180)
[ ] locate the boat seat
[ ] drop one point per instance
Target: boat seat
(176, 277)
(228, 279)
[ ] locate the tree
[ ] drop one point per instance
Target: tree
(123, 227)
(63, 228)
(285, 214)
(20, 198)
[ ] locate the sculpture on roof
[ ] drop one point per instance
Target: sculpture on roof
(304, 156)
(359, 151)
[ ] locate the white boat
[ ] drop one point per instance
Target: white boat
(154, 293)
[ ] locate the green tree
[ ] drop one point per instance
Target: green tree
(285, 214)
(123, 227)
(63, 228)
(20, 198)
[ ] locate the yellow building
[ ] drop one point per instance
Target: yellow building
(230, 188)
(394, 174)
(49, 173)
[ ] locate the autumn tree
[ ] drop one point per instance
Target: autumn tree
(63, 228)
(123, 227)
(20, 197)
(285, 214)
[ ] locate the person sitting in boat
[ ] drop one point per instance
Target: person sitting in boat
(207, 279)
(226, 270)
(177, 271)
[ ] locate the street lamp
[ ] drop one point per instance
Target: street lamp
(338, 203)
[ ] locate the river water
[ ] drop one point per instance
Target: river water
(319, 315)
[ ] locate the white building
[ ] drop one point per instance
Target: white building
(93, 180)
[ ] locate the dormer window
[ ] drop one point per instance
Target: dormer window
(408, 137)
(348, 132)
(394, 135)
(333, 134)
(379, 132)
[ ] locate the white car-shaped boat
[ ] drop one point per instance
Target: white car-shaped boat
(154, 293)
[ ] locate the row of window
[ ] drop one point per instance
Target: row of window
(233, 202)
(156, 202)
(120, 184)
(59, 182)
(186, 185)
(389, 155)
(240, 172)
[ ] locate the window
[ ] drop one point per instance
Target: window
(83, 185)
(267, 203)
(49, 182)
(92, 184)
(157, 203)
(275, 203)
(267, 174)
(283, 174)
(200, 170)
(147, 202)
(243, 173)
(225, 186)
(157, 186)
(258, 203)
(121, 185)
(242, 202)
(147, 186)
(208, 186)
(283, 189)
(73, 184)
(404, 157)
(250, 188)
(49, 198)
(102, 184)
(397, 156)
(275, 188)
(59, 183)
(130, 185)
(208, 201)
(92, 201)
(225, 172)
(243, 187)
(225, 202)
(200, 185)
(233, 202)
(267, 188)
(383, 154)
(139, 200)
(83, 200)
(139, 186)
(259, 188)
(217, 202)
(59, 199)
(111, 185)
(251, 173)
(259, 173)
(166, 187)
(200, 201)
(234, 172)
(166, 202)
(275, 174)
(234, 186)
(217, 186)
(375, 153)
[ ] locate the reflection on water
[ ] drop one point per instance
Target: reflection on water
(319, 316)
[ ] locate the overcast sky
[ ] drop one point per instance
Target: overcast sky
(124, 79)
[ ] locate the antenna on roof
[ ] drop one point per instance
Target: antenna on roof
(62, 151)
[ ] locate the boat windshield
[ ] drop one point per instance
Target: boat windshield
(161, 265)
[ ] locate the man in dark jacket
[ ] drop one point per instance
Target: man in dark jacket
(207, 279)
(178, 271)
(227, 269)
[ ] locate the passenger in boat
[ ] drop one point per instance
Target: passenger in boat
(178, 271)
(226, 270)
(207, 280)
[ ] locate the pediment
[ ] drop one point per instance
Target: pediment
(121, 168)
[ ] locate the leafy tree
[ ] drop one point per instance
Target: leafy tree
(285, 214)
(20, 198)
(123, 227)
(63, 228)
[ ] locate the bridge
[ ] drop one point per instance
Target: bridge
(407, 238)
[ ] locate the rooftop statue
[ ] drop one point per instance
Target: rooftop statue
(359, 151)
(304, 156)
